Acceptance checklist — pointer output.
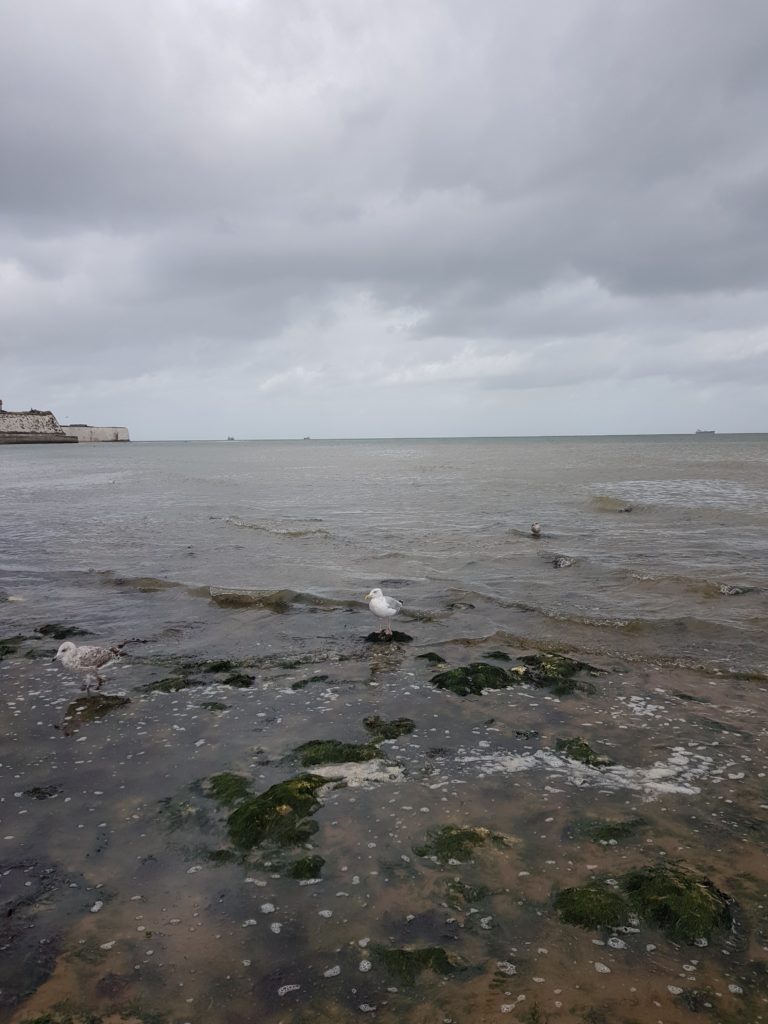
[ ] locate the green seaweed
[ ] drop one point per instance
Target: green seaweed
(171, 684)
(214, 705)
(223, 665)
(229, 788)
(461, 895)
(497, 655)
(579, 750)
(383, 730)
(592, 906)
(306, 867)
(451, 843)
(432, 658)
(222, 856)
(405, 965)
(601, 830)
(317, 752)
(685, 905)
(278, 815)
(474, 678)
(240, 680)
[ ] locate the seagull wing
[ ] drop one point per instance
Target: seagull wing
(93, 657)
(393, 603)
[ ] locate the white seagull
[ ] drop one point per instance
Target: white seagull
(383, 607)
(88, 660)
(536, 529)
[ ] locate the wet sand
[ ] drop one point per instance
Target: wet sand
(115, 907)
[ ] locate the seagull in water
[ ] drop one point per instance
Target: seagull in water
(88, 660)
(536, 529)
(383, 607)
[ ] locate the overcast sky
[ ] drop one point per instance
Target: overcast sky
(343, 218)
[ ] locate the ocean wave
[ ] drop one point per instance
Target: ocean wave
(279, 531)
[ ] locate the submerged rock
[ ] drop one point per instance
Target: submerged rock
(406, 964)
(279, 815)
(461, 895)
(10, 645)
(452, 843)
(42, 792)
(306, 868)
(600, 830)
(592, 906)
(56, 631)
(476, 677)
(90, 708)
(301, 683)
(229, 788)
(684, 904)
(579, 750)
(557, 671)
(335, 752)
(383, 730)
(432, 658)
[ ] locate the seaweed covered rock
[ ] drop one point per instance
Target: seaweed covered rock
(592, 906)
(387, 638)
(451, 844)
(301, 683)
(317, 752)
(474, 678)
(579, 750)
(557, 671)
(405, 965)
(684, 904)
(279, 815)
(56, 631)
(380, 729)
(10, 645)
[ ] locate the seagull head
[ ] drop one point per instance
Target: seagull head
(376, 592)
(66, 646)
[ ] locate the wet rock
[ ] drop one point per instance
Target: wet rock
(432, 658)
(476, 677)
(279, 601)
(222, 856)
(171, 684)
(306, 868)
(383, 730)
(90, 708)
(335, 752)
(279, 815)
(222, 665)
(562, 562)
(240, 680)
(579, 750)
(451, 843)
(214, 705)
(592, 907)
(684, 904)
(387, 638)
(56, 631)
(406, 964)
(463, 896)
(42, 792)
(497, 655)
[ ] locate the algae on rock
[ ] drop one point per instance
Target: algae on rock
(380, 729)
(557, 671)
(279, 815)
(451, 843)
(229, 788)
(405, 965)
(605, 830)
(592, 906)
(317, 752)
(306, 867)
(684, 904)
(90, 708)
(579, 750)
(476, 677)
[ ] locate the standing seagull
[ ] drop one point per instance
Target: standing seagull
(88, 660)
(383, 607)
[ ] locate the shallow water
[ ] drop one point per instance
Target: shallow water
(112, 814)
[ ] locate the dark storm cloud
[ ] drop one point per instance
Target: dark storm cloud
(509, 195)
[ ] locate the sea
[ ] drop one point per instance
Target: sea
(236, 572)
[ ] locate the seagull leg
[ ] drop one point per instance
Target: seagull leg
(99, 681)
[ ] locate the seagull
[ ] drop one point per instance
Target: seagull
(383, 607)
(536, 529)
(88, 660)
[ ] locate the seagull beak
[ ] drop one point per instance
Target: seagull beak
(367, 597)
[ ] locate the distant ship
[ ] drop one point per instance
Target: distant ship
(705, 431)
(230, 439)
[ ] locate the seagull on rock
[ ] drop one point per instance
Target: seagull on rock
(88, 660)
(383, 607)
